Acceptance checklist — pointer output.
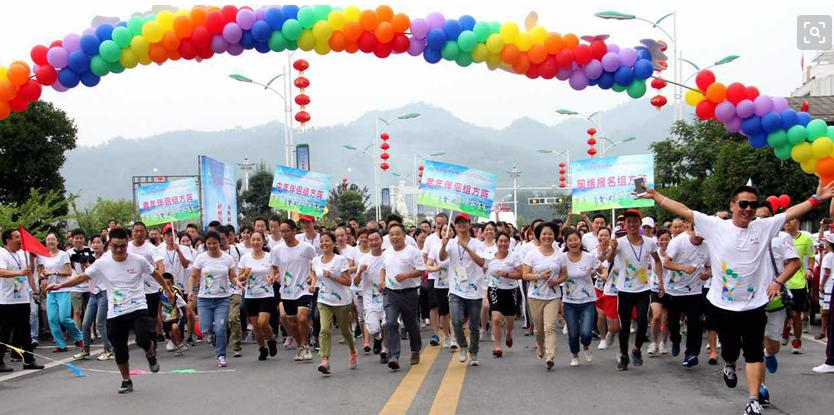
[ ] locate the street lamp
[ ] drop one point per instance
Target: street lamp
(598, 114)
(612, 143)
(375, 157)
(563, 155)
(722, 61)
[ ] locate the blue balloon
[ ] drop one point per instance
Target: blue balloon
(104, 32)
(467, 22)
(436, 39)
(804, 118)
(290, 12)
(593, 82)
(623, 76)
(606, 80)
(79, 62)
(90, 44)
(771, 122)
(247, 41)
(643, 69)
(68, 78)
(789, 118)
(120, 24)
(261, 31)
(452, 29)
(431, 55)
(275, 18)
(643, 53)
(90, 79)
(758, 140)
(752, 126)
(262, 47)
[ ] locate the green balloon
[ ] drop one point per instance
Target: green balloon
(292, 29)
(467, 41)
(292, 45)
(99, 66)
(109, 51)
(122, 36)
(116, 67)
(277, 42)
(816, 129)
(777, 138)
(494, 27)
(451, 51)
(463, 60)
(783, 152)
(797, 134)
(307, 17)
(618, 88)
(830, 133)
(637, 88)
(322, 11)
(481, 31)
(134, 25)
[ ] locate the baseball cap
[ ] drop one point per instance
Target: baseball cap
(647, 221)
(632, 213)
(167, 228)
(462, 216)
(307, 218)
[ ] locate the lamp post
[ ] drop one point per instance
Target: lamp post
(285, 96)
(515, 173)
(246, 166)
(598, 114)
(725, 60)
(563, 155)
(611, 143)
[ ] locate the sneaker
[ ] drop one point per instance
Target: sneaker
(403, 334)
(661, 348)
(169, 346)
(764, 395)
(796, 346)
(383, 357)
(497, 353)
(730, 377)
(289, 343)
(473, 359)
(823, 368)
(377, 347)
(771, 363)
(549, 363)
(324, 367)
(447, 342)
(153, 363)
(713, 358)
(394, 363)
(221, 361)
(453, 344)
(753, 408)
(272, 346)
(603, 344)
(82, 355)
(785, 340)
(366, 348)
(588, 356)
(299, 355)
(574, 361)
(341, 339)
(652, 350)
(126, 387)
(435, 340)
(509, 341)
(308, 354)
(262, 353)
(636, 358)
(190, 342)
(35, 343)
(676, 348)
(565, 330)
(105, 355)
(415, 358)
(237, 353)
(690, 361)
(179, 352)
(315, 347)
(462, 355)
(353, 361)
(622, 364)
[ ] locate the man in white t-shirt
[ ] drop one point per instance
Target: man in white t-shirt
(17, 284)
(440, 220)
(309, 234)
(123, 275)
(367, 279)
(742, 282)
(589, 240)
(392, 220)
(142, 247)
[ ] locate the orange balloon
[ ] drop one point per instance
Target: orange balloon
(510, 54)
(825, 168)
(570, 40)
(183, 26)
(368, 20)
(384, 13)
(352, 31)
(384, 32)
(18, 73)
(198, 16)
(351, 46)
(5, 110)
(716, 92)
(537, 54)
(337, 42)
(170, 41)
(174, 55)
(522, 65)
(7, 90)
(554, 43)
(401, 22)
(158, 53)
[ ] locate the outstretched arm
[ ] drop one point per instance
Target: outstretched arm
(673, 206)
(824, 192)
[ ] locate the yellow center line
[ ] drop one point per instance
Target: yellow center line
(448, 395)
(404, 395)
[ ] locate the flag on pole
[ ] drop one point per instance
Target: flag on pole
(31, 244)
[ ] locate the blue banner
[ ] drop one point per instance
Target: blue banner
(459, 188)
(300, 191)
(608, 183)
(168, 201)
(218, 192)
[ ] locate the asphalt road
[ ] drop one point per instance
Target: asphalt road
(516, 383)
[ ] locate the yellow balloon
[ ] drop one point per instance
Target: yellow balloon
(539, 34)
(693, 97)
(352, 13)
(307, 42)
(510, 32)
(322, 30)
(182, 12)
(822, 147)
(493, 61)
(152, 31)
(809, 166)
(128, 59)
(337, 20)
(495, 43)
(145, 60)
(802, 152)
(139, 45)
(3, 71)
(322, 47)
(480, 53)
(166, 19)
(525, 41)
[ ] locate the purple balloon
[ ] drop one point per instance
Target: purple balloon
(415, 48)
(245, 19)
(435, 20)
(72, 42)
(89, 31)
(58, 86)
(628, 57)
(564, 74)
(578, 80)
(57, 57)
(218, 44)
(259, 14)
(780, 104)
(610, 62)
(745, 109)
(614, 48)
(732, 125)
(593, 69)
(232, 33)
(725, 111)
(763, 105)
(235, 49)
(419, 28)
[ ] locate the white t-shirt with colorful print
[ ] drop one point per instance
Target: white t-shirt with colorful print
(632, 264)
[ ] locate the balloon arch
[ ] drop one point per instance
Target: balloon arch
(110, 48)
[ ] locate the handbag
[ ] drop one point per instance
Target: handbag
(783, 301)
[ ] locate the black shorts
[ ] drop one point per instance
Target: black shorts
(800, 300)
(429, 287)
(709, 319)
(503, 301)
(260, 305)
(741, 331)
(153, 304)
(440, 297)
(119, 328)
(276, 292)
(291, 306)
(656, 298)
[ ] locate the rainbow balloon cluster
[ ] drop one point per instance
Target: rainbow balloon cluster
(202, 32)
(766, 121)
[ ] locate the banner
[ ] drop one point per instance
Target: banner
(168, 201)
(459, 188)
(300, 191)
(218, 192)
(608, 183)
(302, 157)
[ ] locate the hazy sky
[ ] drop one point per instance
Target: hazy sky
(187, 95)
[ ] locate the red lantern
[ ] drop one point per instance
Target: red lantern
(562, 164)
(592, 152)
(592, 131)
(592, 141)
(301, 82)
(805, 106)
(302, 117)
(302, 100)
(562, 171)
(658, 83)
(384, 136)
(562, 185)
(384, 166)
(658, 101)
(663, 64)
(385, 156)
(301, 65)
(663, 45)
(385, 146)
(420, 168)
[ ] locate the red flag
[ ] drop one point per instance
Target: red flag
(32, 244)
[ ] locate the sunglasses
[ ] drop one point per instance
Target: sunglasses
(745, 204)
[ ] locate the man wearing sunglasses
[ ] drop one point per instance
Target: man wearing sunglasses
(742, 282)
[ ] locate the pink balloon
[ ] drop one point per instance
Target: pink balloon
(218, 44)
(732, 125)
(415, 48)
(725, 111)
(779, 104)
(435, 20)
(245, 19)
(419, 28)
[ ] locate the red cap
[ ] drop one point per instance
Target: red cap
(167, 228)
(462, 216)
(632, 212)
(307, 218)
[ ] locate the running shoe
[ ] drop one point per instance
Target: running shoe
(771, 363)
(415, 358)
(796, 346)
(59, 350)
(447, 342)
(588, 356)
(308, 354)
(126, 387)
(383, 357)
(237, 352)
(753, 408)
(690, 361)
(299, 355)
(549, 364)
(262, 353)
(366, 348)
(823, 368)
(153, 363)
(190, 342)
(353, 361)
(764, 395)
(79, 343)
(661, 348)
(603, 344)
(169, 346)
(289, 343)
(272, 346)
(377, 346)
(652, 350)
(394, 363)
(462, 355)
(221, 361)
(497, 352)
(509, 341)
(730, 377)
(105, 355)
(4, 368)
(324, 367)
(160, 337)
(179, 351)
(623, 363)
(636, 358)
(713, 358)
(35, 343)
(82, 355)
(473, 360)
(32, 366)
(435, 340)
(676, 348)
(453, 344)
(574, 361)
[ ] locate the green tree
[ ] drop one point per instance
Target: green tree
(347, 201)
(384, 211)
(39, 213)
(96, 217)
(32, 147)
(255, 201)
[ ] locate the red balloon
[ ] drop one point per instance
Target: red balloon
(774, 202)
(201, 37)
(384, 136)
(46, 74)
(38, 54)
(302, 116)
(301, 82)
(705, 110)
(301, 65)
(704, 79)
(187, 49)
(214, 22)
(302, 99)
(582, 54)
(564, 58)
(19, 103)
(367, 42)
(229, 13)
(784, 201)
(534, 71)
(382, 50)
(598, 49)
(549, 68)
(400, 43)
(752, 92)
(592, 131)
(56, 43)
(205, 53)
(736, 92)
(30, 91)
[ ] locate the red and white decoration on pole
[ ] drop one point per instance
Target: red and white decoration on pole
(302, 99)
(562, 178)
(658, 101)
(384, 156)
(420, 174)
(592, 142)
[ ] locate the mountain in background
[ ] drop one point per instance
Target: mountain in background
(105, 170)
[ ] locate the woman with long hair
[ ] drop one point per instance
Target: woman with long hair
(255, 277)
(659, 321)
(503, 271)
(579, 295)
(56, 269)
(96, 310)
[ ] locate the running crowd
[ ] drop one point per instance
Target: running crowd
(278, 283)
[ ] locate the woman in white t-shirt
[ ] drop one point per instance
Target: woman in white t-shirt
(826, 284)
(55, 269)
(580, 296)
(503, 271)
(213, 279)
(255, 278)
(660, 317)
(608, 321)
(331, 274)
(544, 269)
(191, 308)
(490, 247)
(440, 291)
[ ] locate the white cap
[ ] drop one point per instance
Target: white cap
(830, 237)
(648, 221)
